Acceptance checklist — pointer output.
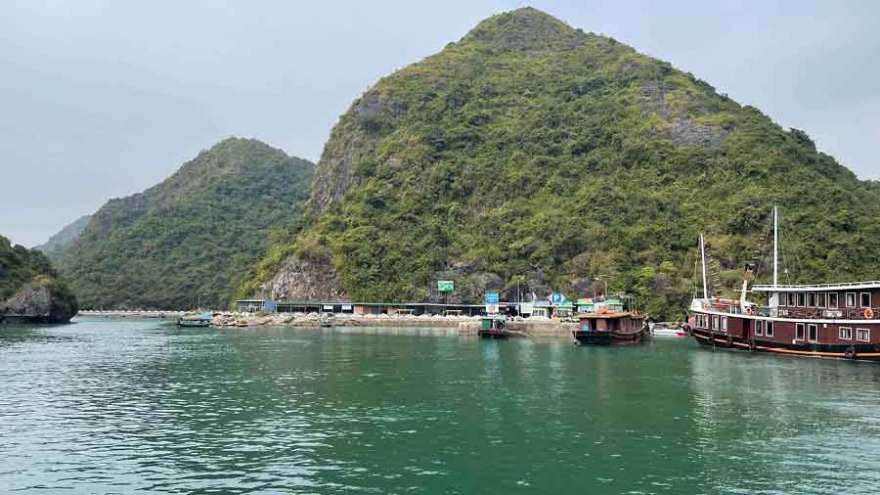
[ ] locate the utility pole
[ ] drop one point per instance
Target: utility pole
(518, 297)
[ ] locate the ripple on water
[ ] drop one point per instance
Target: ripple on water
(136, 406)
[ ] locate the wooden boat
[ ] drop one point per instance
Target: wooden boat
(611, 321)
(814, 320)
(195, 320)
(493, 327)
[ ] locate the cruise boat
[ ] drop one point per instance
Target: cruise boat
(608, 321)
(814, 320)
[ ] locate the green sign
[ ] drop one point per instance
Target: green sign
(445, 285)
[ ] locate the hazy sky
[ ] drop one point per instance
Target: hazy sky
(101, 99)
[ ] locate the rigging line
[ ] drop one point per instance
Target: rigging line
(766, 235)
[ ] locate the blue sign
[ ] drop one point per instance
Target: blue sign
(557, 298)
(491, 298)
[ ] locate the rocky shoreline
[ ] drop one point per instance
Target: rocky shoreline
(466, 325)
(227, 319)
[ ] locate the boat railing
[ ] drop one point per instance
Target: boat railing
(850, 285)
(798, 313)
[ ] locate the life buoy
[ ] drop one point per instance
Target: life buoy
(705, 306)
(869, 313)
(850, 352)
(748, 310)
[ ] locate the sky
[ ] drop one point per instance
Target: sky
(101, 99)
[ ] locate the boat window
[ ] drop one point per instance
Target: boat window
(863, 334)
(832, 300)
(792, 299)
(812, 332)
(865, 299)
(820, 300)
(850, 299)
(759, 327)
(845, 333)
(769, 329)
(723, 323)
(811, 300)
(799, 331)
(715, 323)
(801, 299)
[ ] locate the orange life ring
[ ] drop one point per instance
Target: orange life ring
(748, 310)
(705, 306)
(869, 313)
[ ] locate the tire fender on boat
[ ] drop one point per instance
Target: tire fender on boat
(850, 352)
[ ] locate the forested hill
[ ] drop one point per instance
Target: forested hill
(191, 237)
(55, 246)
(531, 151)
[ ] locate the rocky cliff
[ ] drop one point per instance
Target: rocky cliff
(30, 289)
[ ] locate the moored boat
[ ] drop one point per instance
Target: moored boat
(608, 321)
(195, 320)
(667, 330)
(812, 320)
(493, 327)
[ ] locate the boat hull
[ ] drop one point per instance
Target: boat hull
(854, 352)
(194, 323)
(494, 333)
(606, 338)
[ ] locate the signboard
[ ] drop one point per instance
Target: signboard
(346, 307)
(492, 309)
(525, 308)
(445, 286)
(491, 298)
(557, 298)
(328, 307)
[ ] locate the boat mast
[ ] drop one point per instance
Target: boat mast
(775, 246)
(703, 256)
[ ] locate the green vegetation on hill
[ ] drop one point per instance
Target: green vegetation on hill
(55, 246)
(22, 269)
(193, 236)
(531, 151)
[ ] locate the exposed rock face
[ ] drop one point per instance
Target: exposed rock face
(298, 280)
(30, 289)
(37, 303)
(686, 133)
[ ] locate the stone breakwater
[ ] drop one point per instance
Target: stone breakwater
(338, 320)
(464, 324)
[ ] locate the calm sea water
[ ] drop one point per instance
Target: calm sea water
(104, 407)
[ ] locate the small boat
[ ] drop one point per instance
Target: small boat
(492, 327)
(664, 329)
(195, 320)
(609, 321)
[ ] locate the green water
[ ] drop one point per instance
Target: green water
(104, 407)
